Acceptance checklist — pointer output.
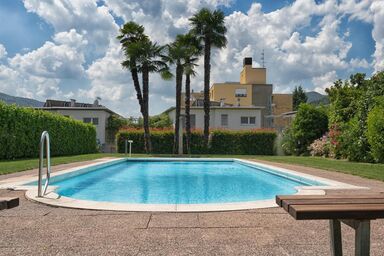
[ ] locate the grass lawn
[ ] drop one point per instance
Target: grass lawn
(371, 171)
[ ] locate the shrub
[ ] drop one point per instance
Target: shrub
(375, 131)
(320, 147)
(252, 142)
(221, 142)
(309, 124)
(21, 128)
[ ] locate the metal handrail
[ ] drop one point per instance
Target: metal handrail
(44, 138)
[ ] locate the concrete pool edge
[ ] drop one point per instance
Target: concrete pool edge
(54, 199)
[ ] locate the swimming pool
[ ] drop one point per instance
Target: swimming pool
(172, 185)
(178, 182)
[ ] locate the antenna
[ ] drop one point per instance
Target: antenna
(263, 59)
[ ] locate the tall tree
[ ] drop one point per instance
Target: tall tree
(150, 58)
(131, 34)
(141, 56)
(299, 97)
(209, 27)
(194, 50)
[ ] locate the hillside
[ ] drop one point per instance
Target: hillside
(20, 101)
(317, 98)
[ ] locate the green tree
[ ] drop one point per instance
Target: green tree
(309, 124)
(131, 35)
(145, 57)
(299, 97)
(375, 131)
(209, 27)
(176, 54)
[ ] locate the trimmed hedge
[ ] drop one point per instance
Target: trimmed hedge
(221, 142)
(243, 142)
(21, 128)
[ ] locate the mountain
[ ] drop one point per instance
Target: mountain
(317, 98)
(20, 101)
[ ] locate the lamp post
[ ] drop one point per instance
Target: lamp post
(130, 147)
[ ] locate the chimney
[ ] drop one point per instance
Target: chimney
(73, 102)
(247, 61)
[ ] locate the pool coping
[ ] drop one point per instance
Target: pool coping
(54, 199)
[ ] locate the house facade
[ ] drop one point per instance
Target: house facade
(252, 97)
(224, 117)
(95, 114)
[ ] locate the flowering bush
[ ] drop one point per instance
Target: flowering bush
(320, 147)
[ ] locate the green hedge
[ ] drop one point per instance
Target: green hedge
(243, 142)
(221, 142)
(21, 128)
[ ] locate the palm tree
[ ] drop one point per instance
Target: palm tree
(176, 54)
(141, 56)
(130, 34)
(193, 50)
(149, 58)
(210, 29)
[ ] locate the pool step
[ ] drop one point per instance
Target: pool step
(8, 202)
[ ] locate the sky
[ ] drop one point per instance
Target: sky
(63, 49)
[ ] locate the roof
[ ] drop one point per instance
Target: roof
(73, 105)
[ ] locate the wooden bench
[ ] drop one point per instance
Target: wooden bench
(355, 211)
(8, 202)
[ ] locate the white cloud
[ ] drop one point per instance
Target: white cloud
(322, 82)
(94, 22)
(3, 51)
(84, 49)
(377, 8)
(51, 61)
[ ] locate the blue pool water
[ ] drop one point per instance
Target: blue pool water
(176, 182)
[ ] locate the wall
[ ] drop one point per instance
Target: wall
(80, 114)
(250, 75)
(227, 91)
(234, 115)
(282, 103)
(262, 96)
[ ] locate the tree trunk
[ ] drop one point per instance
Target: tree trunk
(147, 135)
(139, 95)
(179, 81)
(207, 73)
(187, 112)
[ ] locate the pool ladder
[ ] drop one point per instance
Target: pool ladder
(41, 191)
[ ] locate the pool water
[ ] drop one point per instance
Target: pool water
(176, 182)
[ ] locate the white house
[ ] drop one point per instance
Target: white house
(88, 113)
(224, 117)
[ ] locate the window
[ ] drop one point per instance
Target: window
(248, 120)
(241, 93)
(87, 120)
(224, 120)
(90, 120)
(244, 120)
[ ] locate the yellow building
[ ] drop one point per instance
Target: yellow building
(252, 91)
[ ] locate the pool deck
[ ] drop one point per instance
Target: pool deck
(36, 229)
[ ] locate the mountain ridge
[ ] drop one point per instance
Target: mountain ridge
(20, 101)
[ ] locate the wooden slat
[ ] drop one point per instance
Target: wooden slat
(340, 211)
(280, 198)
(335, 201)
(8, 202)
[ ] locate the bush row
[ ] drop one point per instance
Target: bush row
(221, 142)
(21, 128)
